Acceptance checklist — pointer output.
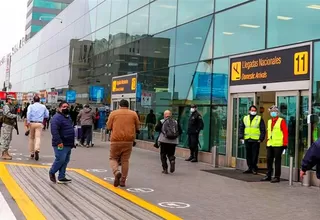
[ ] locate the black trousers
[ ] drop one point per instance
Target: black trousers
(167, 151)
(193, 141)
(86, 134)
(252, 154)
(274, 154)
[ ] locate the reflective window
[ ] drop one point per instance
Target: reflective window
(244, 24)
(192, 9)
(162, 15)
(119, 8)
(299, 22)
(118, 33)
(43, 16)
(101, 43)
(191, 38)
(138, 24)
(49, 4)
(36, 28)
(161, 49)
(219, 104)
(135, 4)
(223, 4)
(90, 21)
(103, 14)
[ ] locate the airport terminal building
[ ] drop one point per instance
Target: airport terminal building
(221, 55)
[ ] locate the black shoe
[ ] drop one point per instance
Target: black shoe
(247, 171)
(36, 157)
(165, 171)
(254, 172)
(27, 133)
(266, 178)
(64, 181)
(52, 177)
(117, 179)
(189, 159)
(194, 160)
(32, 156)
(275, 180)
(172, 166)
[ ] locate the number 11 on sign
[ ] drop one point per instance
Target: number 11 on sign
(301, 63)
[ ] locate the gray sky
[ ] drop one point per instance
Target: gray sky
(13, 20)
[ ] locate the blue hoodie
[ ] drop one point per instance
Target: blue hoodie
(312, 158)
(62, 130)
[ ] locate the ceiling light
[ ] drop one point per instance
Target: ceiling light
(157, 51)
(198, 38)
(314, 6)
(228, 33)
(284, 18)
(188, 44)
(168, 6)
(249, 26)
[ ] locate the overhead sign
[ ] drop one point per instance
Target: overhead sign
(96, 93)
(124, 84)
(282, 65)
(71, 96)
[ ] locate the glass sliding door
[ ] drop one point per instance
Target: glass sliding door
(288, 104)
(240, 108)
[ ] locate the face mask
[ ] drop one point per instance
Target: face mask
(65, 111)
(273, 114)
(253, 113)
(192, 110)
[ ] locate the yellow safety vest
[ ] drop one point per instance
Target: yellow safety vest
(252, 129)
(275, 136)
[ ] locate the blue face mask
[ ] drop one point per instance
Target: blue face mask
(273, 114)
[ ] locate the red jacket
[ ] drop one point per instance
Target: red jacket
(284, 129)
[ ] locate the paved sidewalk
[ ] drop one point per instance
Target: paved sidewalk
(191, 193)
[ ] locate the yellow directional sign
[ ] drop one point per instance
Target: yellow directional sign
(236, 71)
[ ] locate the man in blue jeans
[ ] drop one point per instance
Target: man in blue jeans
(62, 132)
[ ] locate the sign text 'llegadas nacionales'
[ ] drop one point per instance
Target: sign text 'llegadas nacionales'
(282, 65)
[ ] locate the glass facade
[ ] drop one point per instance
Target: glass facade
(180, 50)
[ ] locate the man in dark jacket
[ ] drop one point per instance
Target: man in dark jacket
(195, 125)
(150, 123)
(62, 142)
(311, 159)
(252, 132)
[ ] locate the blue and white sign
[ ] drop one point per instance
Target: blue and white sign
(207, 85)
(71, 96)
(138, 92)
(96, 93)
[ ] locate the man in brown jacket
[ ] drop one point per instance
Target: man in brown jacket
(123, 124)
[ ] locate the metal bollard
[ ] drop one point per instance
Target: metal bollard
(291, 171)
(306, 179)
(215, 156)
(103, 135)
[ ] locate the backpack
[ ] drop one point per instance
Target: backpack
(170, 129)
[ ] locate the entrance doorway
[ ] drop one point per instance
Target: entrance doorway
(132, 103)
(293, 107)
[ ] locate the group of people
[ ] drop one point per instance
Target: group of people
(124, 124)
(253, 131)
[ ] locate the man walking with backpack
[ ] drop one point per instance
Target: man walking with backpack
(170, 131)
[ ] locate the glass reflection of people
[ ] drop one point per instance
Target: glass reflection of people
(252, 132)
(277, 141)
(151, 122)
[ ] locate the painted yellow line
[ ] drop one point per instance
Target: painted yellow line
(134, 199)
(28, 208)
(31, 165)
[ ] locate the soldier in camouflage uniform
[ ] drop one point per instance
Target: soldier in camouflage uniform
(8, 119)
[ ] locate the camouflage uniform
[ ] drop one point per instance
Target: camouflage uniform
(6, 130)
